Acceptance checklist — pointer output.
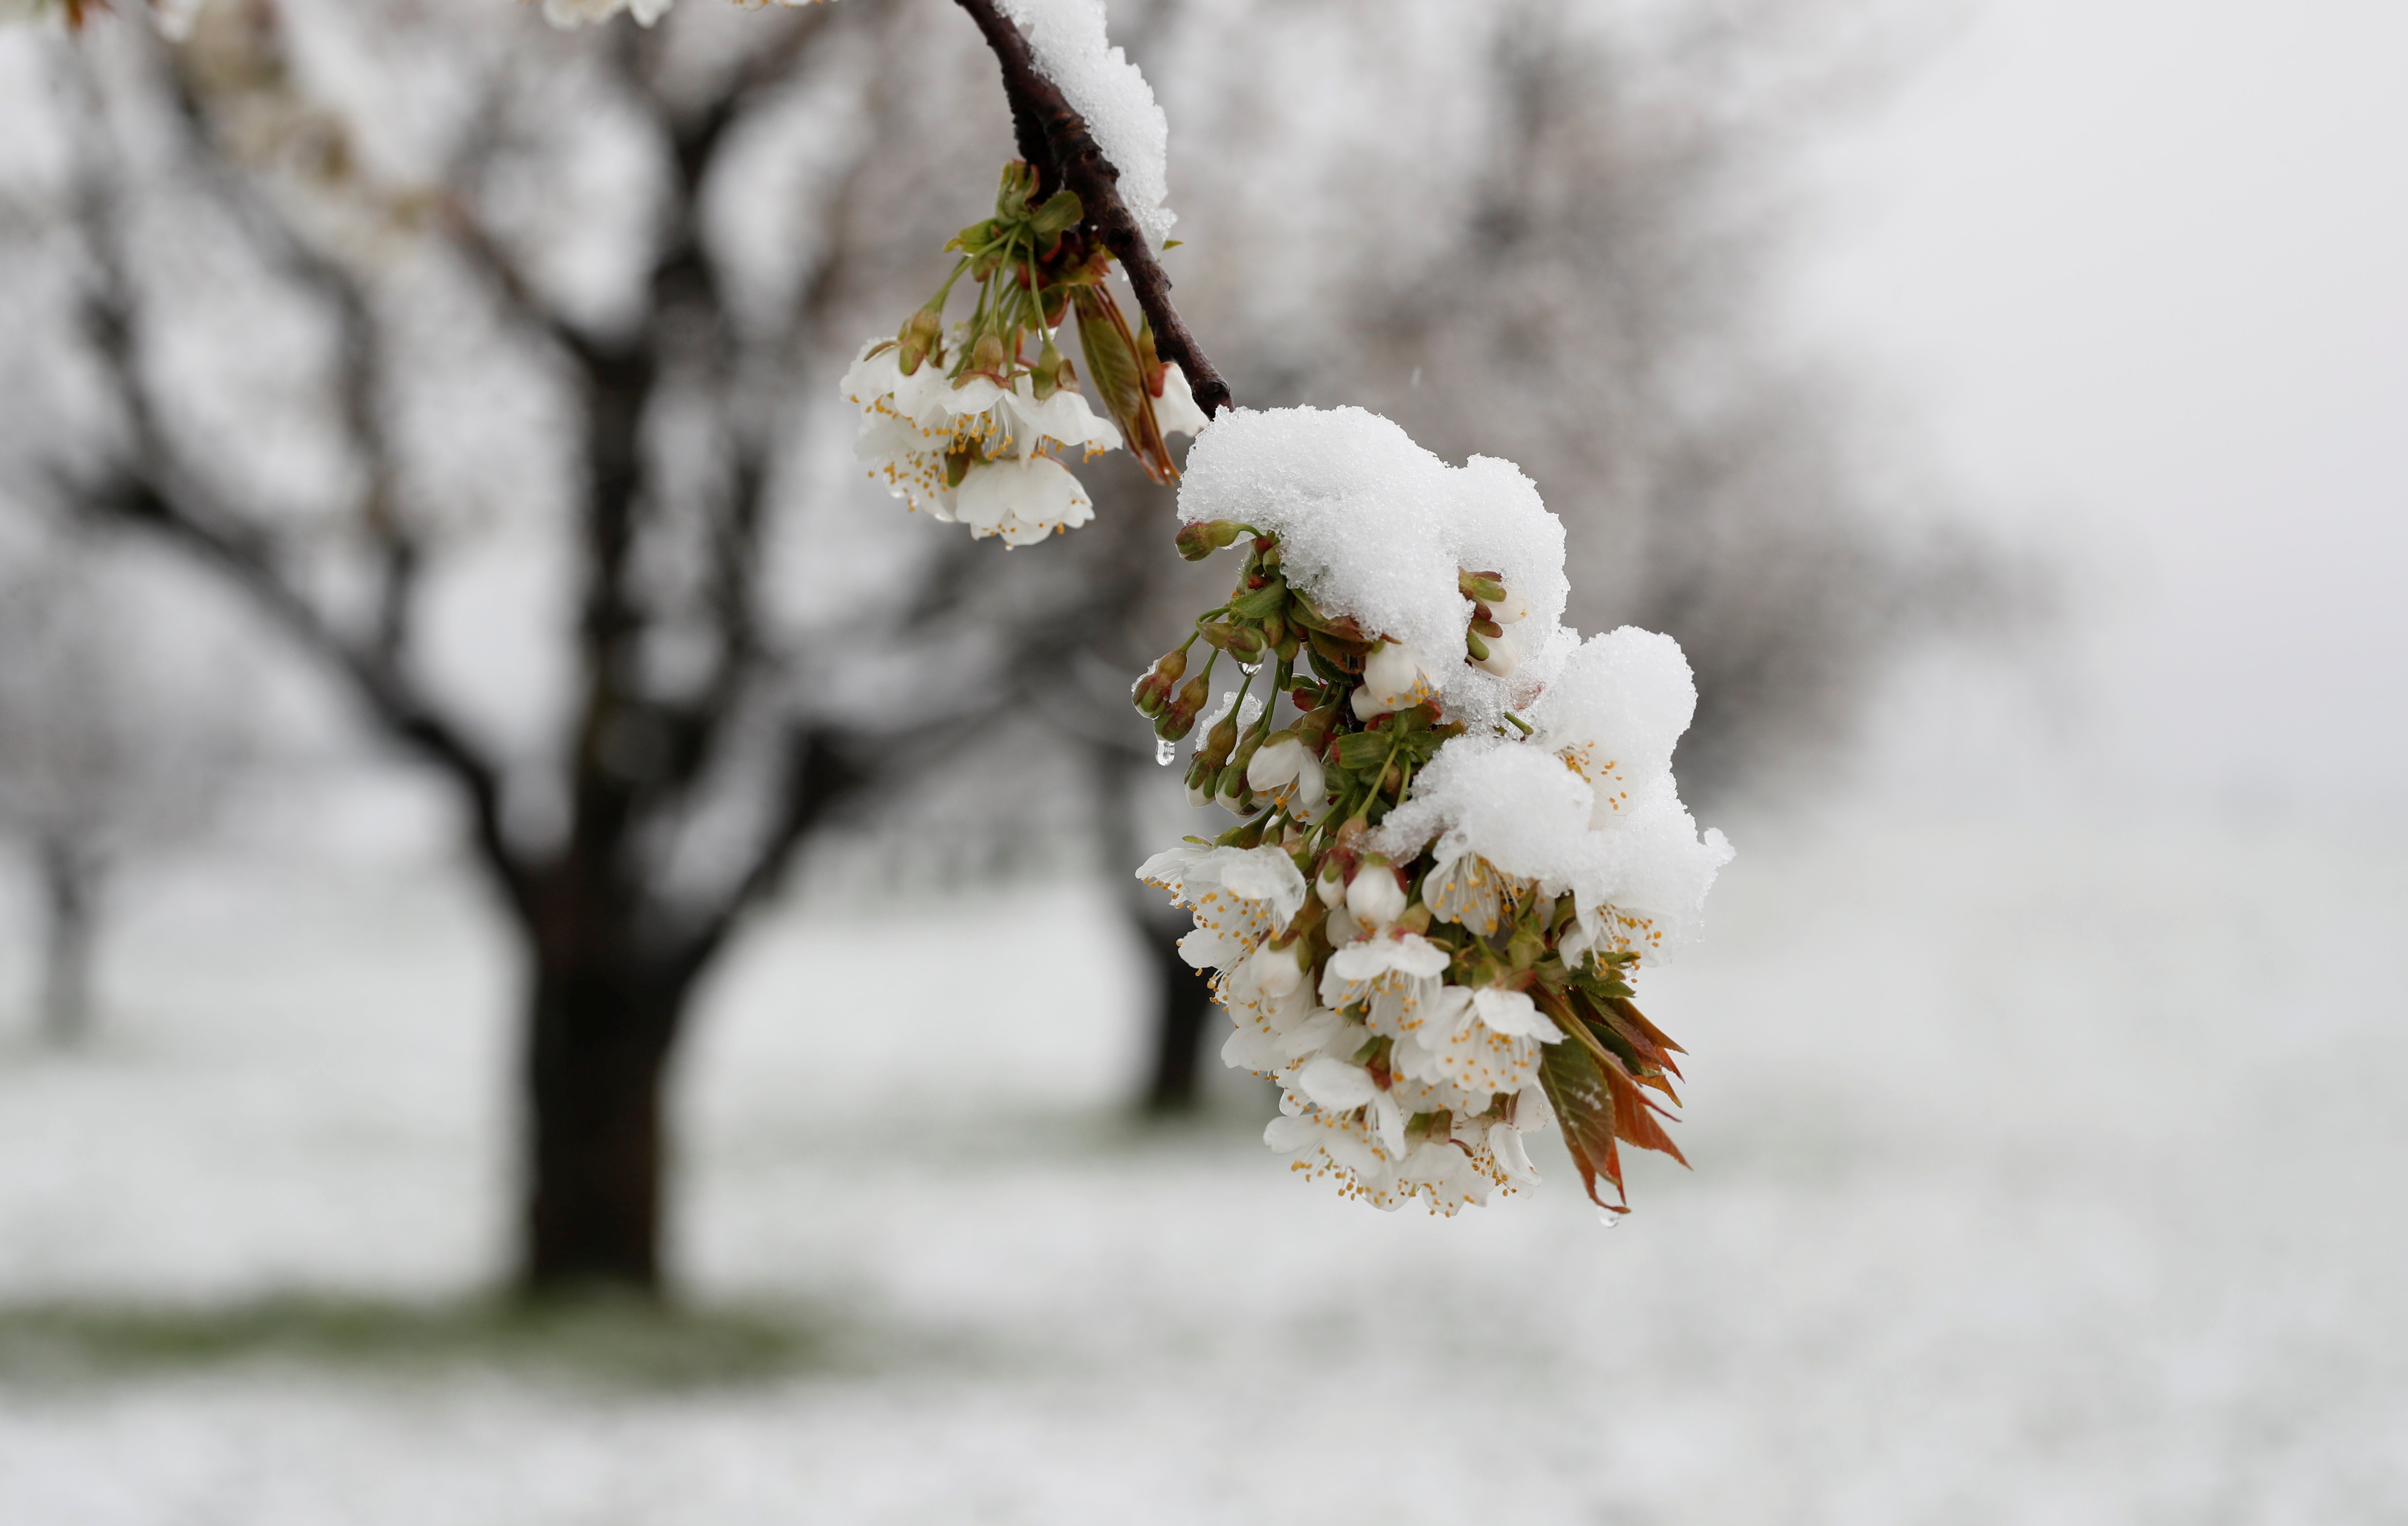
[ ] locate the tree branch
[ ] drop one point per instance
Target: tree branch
(1054, 138)
(150, 489)
(820, 771)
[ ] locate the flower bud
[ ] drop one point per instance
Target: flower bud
(1220, 742)
(1279, 972)
(1375, 896)
(1275, 763)
(1393, 677)
(1499, 654)
(1051, 373)
(1151, 695)
(986, 357)
(1179, 719)
(1231, 789)
(921, 335)
(1201, 540)
(1481, 588)
(1330, 883)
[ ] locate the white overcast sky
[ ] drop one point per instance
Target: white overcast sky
(2137, 272)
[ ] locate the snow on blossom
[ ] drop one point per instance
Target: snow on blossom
(1512, 804)
(1648, 898)
(1491, 830)
(1374, 526)
(1614, 710)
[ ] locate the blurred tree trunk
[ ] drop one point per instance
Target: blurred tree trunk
(600, 1035)
(1182, 1001)
(1181, 1016)
(70, 887)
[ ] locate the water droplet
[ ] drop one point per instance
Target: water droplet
(1250, 669)
(1164, 750)
(1608, 1217)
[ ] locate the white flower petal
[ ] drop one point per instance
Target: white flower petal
(1175, 411)
(1505, 1143)
(1513, 1013)
(1333, 1083)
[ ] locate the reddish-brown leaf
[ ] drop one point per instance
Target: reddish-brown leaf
(1577, 1088)
(1634, 1112)
(1638, 1019)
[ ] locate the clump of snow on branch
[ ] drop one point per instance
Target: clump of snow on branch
(1107, 91)
(1425, 924)
(1374, 527)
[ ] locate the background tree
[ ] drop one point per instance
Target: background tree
(496, 366)
(544, 231)
(110, 747)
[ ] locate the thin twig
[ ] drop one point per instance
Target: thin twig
(1054, 138)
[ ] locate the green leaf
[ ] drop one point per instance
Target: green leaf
(1330, 672)
(1263, 602)
(1061, 210)
(1362, 749)
(1583, 1107)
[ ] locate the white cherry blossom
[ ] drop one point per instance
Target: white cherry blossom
(1240, 897)
(1286, 773)
(911, 424)
(1022, 501)
(1396, 676)
(1375, 896)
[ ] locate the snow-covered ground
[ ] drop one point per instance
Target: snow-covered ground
(2043, 1173)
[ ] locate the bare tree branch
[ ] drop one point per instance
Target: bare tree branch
(148, 487)
(1054, 138)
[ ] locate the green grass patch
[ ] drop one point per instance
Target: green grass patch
(595, 1340)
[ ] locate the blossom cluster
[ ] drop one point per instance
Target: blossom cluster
(966, 423)
(1459, 833)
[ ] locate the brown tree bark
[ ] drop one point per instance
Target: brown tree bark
(1182, 1020)
(599, 1038)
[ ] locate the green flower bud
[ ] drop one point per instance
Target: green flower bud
(1481, 588)
(1200, 540)
(1220, 742)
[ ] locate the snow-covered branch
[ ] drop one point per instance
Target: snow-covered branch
(1058, 140)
